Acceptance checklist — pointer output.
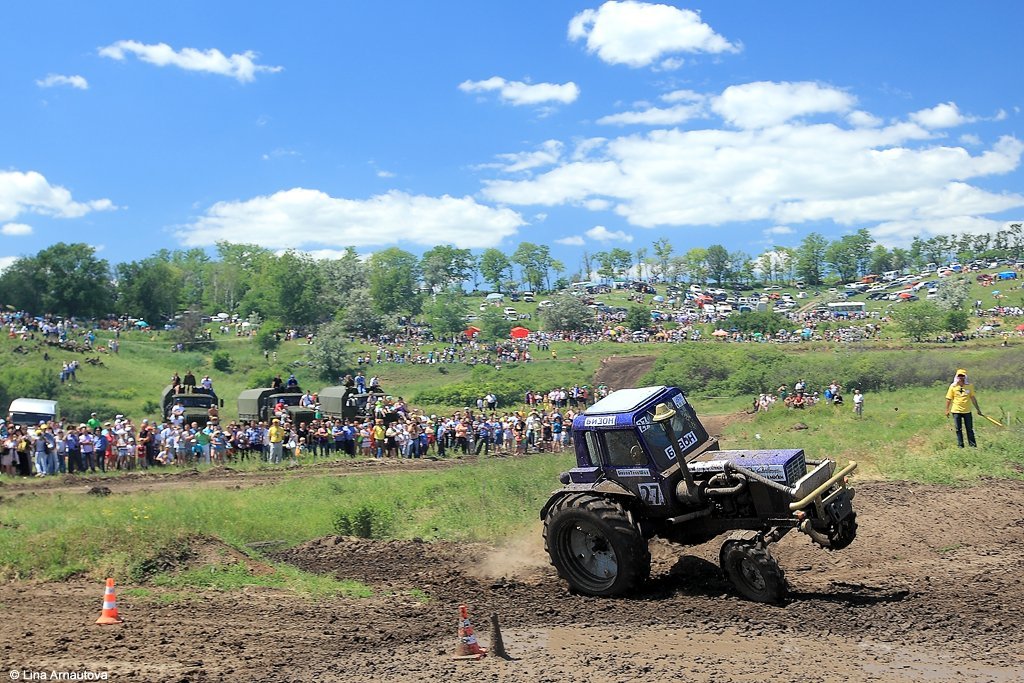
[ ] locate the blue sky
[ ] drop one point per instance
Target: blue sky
(583, 125)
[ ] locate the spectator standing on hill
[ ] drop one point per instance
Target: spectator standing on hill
(858, 403)
(959, 398)
(188, 382)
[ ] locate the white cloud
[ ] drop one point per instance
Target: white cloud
(655, 116)
(52, 80)
(901, 233)
(639, 34)
(599, 233)
(779, 230)
(788, 173)
(7, 261)
(863, 119)
(548, 154)
(945, 115)
(385, 174)
(763, 104)
(525, 94)
(571, 241)
(15, 229)
(310, 219)
(242, 67)
(31, 193)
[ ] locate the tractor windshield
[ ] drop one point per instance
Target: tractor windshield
(683, 427)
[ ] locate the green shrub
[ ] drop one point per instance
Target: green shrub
(222, 361)
(365, 522)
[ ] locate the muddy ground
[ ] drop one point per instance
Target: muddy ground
(930, 591)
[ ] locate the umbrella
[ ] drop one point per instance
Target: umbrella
(1020, 328)
(141, 323)
(519, 332)
(659, 299)
(719, 333)
(905, 295)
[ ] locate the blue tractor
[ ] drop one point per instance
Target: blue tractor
(646, 467)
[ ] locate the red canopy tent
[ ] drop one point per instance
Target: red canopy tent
(519, 332)
(472, 331)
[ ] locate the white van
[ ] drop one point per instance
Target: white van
(528, 296)
(32, 411)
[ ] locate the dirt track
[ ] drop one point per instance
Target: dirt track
(930, 591)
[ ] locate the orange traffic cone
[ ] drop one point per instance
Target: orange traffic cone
(109, 613)
(466, 647)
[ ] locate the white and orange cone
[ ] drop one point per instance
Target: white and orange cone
(466, 647)
(109, 613)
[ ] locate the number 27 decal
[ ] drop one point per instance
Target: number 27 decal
(651, 494)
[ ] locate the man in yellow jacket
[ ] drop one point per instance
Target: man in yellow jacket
(276, 436)
(959, 398)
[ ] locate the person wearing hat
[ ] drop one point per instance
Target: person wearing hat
(93, 423)
(959, 398)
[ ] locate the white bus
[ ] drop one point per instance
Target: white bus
(845, 308)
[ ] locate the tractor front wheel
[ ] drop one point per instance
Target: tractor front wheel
(595, 547)
(753, 571)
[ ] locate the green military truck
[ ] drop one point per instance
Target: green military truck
(257, 405)
(347, 403)
(195, 405)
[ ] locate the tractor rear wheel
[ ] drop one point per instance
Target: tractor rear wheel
(595, 547)
(753, 571)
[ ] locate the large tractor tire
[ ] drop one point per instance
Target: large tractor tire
(595, 547)
(753, 571)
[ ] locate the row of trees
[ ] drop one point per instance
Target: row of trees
(365, 292)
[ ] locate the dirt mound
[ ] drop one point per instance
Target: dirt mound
(623, 372)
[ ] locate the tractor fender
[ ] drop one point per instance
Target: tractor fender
(604, 487)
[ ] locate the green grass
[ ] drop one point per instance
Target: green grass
(237, 575)
(141, 535)
(902, 435)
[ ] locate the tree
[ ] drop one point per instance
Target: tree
(148, 289)
(444, 265)
(447, 312)
(956, 321)
(361, 317)
(696, 264)
(534, 261)
(881, 260)
(493, 325)
(918, 319)
(953, 293)
(495, 268)
(393, 277)
(637, 318)
(330, 355)
(717, 260)
(841, 256)
(341, 277)
(641, 260)
(65, 279)
(570, 314)
(765, 322)
(662, 252)
(810, 259)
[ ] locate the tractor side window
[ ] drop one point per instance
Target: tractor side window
(622, 449)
